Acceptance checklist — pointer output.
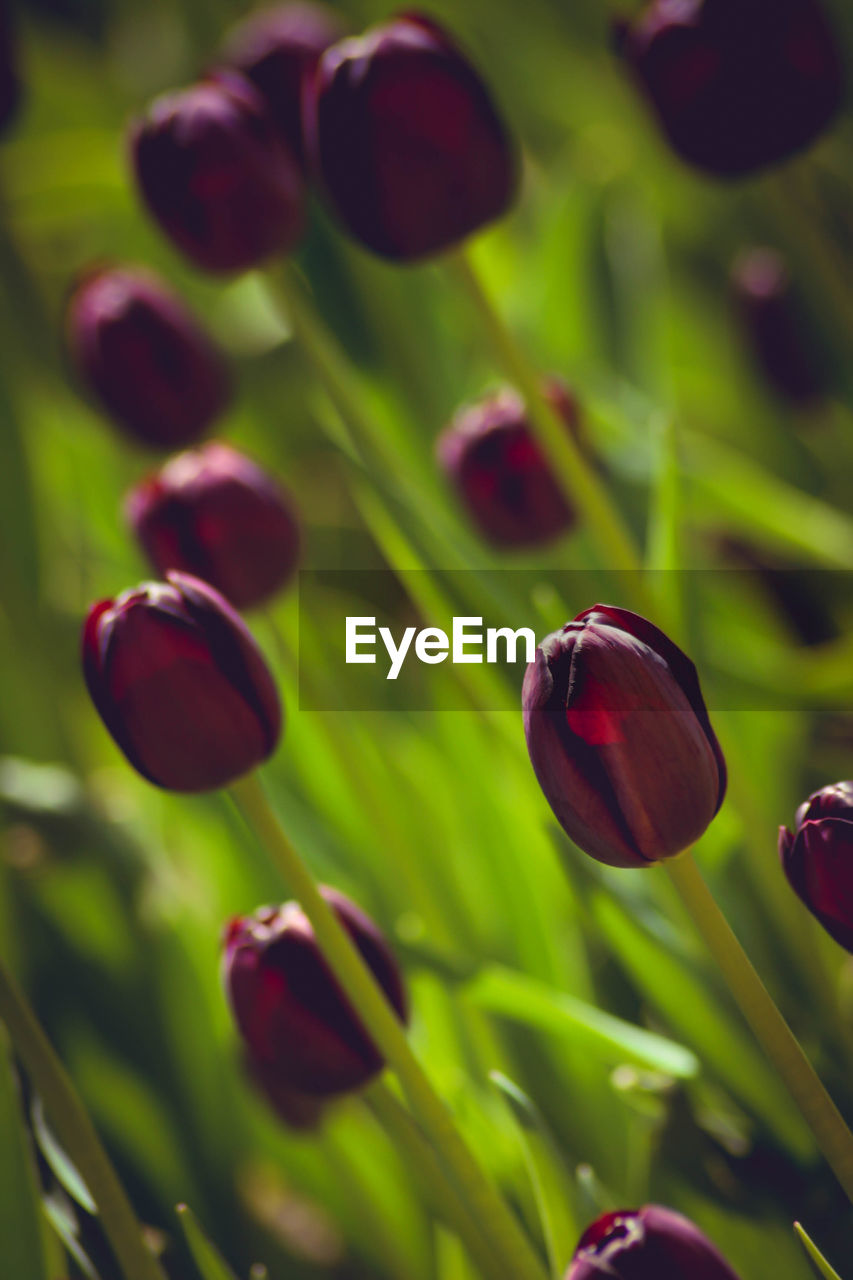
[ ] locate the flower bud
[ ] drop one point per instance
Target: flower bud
(736, 84)
(652, 1243)
(406, 140)
(298, 1026)
(275, 49)
(180, 684)
(217, 177)
(151, 366)
(620, 739)
(216, 514)
(500, 472)
(818, 858)
(775, 328)
(300, 1111)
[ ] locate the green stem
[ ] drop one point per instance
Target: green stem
(421, 1158)
(386, 1031)
(578, 479)
(76, 1133)
(770, 1028)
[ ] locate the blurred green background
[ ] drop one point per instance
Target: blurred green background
(614, 272)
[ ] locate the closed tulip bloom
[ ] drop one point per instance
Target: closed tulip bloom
(504, 480)
(736, 84)
(620, 739)
(217, 177)
(298, 1026)
(406, 140)
(300, 1111)
(818, 859)
(652, 1243)
(775, 328)
(145, 358)
(180, 684)
(276, 49)
(216, 514)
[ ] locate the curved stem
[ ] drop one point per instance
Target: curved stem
(770, 1028)
(485, 1204)
(578, 479)
(76, 1133)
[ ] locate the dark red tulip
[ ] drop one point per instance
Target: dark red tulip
(775, 327)
(620, 739)
(276, 49)
(10, 84)
(141, 352)
(818, 859)
(406, 140)
(217, 177)
(181, 685)
(500, 472)
(300, 1111)
(216, 514)
(652, 1243)
(298, 1026)
(736, 84)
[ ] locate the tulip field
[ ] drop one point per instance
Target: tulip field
(426, 640)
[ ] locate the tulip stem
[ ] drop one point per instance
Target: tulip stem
(76, 1133)
(770, 1028)
(577, 478)
(485, 1205)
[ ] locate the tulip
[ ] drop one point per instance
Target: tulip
(620, 739)
(298, 1026)
(144, 357)
(180, 684)
(499, 470)
(774, 327)
(276, 49)
(217, 177)
(736, 84)
(300, 1111)
(406, 141)
(652, 1243)
(818, 859)
(215, 514)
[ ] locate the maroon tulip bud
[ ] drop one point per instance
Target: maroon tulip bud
(276, 49)
(10, 84)
(620, 739)
(501, 474)
(406, 140)
(651, 1243)
(774, 327)
(298, 1025)
(736, 84)
(818, 859)
(181, 685)
(216, 514)
(217, 177)
(300, 1111)
(144, 356)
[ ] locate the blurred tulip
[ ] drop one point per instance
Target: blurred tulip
(620, 739)
(276, 49)
(774, 327)
(501, 475)
(145, 357)
(217, 177)
(216, 514)
(300, 1111)
(299, 1028)
(180, 684)
(406, 140)
(736, 84)
(818, 858)
(652, 1243)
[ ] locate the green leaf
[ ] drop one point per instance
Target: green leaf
(526, 1000)
(65, 1171)
(208, 1259)
(814, 1255)
(22, 1251)
(60, 1215)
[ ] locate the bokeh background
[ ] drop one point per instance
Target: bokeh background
(614, 270)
